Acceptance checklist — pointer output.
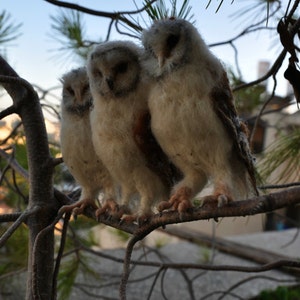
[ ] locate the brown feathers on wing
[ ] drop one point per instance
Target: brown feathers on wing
(225, 110)
(156, 159)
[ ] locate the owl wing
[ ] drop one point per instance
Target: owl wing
(224, 108)
(156, 159)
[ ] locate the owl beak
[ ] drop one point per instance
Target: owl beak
(161, 60)
(78, 95)
(110, 83)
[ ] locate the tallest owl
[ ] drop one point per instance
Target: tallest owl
(193, 116)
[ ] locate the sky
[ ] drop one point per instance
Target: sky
(35, 57)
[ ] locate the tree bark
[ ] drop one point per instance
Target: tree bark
(41, 200)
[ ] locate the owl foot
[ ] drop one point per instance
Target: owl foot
(112, 209)
(220, 199)
(108, 206)
(78, 207)
(139, 218)
(180, 201)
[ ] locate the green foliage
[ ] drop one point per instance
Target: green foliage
(77, 262)
(14, 187)
(281, 293)
(8, 30)
(67, 276)
(69, 30)
(205, 255)
(159, 10)
(122, 235)
(246, 100)
(13, 258)
(258, 12)
(13, 255)
(283, 155)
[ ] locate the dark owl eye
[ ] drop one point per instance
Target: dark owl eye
(97, 73)
(70, 90)
(172, 41)
(85, 89)
(121, 67)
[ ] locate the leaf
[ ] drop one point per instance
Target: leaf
(8, 31)
(282, 156)
(160, 10)
(69, 30)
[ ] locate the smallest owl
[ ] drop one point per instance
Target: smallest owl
(76, 144)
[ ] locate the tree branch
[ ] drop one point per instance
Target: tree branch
(41, 199)
(113, 16)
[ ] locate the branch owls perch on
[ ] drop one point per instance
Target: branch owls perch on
(163, 124)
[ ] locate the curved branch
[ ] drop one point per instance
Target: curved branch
(9, 217)
(60, 254)
(113, 16)
(16, 225)
(16, 80)
(8, 111)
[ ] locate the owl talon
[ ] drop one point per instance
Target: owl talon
(127, 219)
(179, 201)
(164, 205)
(220, 199)
(112, 209)
(78, 207)
(138, 218)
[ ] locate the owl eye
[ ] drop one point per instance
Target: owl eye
(85, 89)
(172, 41)
(70, 90)
(121, 67)
(97, 73)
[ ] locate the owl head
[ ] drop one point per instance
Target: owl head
(76, 95)
(114, 69)
(169, 44)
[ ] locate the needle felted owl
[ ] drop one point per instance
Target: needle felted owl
(193, 116)
(76, 143)
(118, 122)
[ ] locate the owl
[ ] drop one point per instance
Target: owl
(77, 147)
(193, 116)
(120, 124)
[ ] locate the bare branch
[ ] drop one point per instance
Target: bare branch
(9, 217)
(60, 254)
(16, 225)
(14, 164)
(113, 16)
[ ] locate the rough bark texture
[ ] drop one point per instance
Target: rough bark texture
(41, 200)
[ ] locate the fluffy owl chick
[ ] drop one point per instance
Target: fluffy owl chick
(193, 115)
(76, 143)
(120, 95)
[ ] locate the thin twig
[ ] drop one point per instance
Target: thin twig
(35, 275)
(6, 218)
(16, 225)
(112, 16)
(278, 186)
(60, 254)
